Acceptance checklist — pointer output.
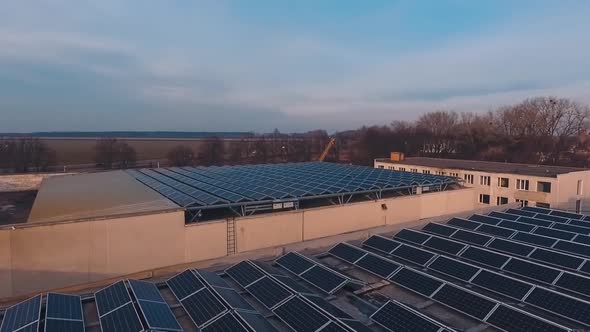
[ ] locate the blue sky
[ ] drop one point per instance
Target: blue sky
(292, 65)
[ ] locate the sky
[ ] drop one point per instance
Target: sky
(257, 65)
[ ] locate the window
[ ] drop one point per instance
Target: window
(468, 178)
(485, 199)
(522, 184)
(484, 180)
(414, 170)
(544, 187)
(391, 168)
(380, 166)
(454, 174)
(503, 182)
(403, 169)
(578, 206)
(522, 202)
(580, 187)
(543, 205)
(425, 171)
(501, 200)
(441, 173)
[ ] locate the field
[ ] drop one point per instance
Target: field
(74, 151)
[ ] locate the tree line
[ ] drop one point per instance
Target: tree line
(541, 130)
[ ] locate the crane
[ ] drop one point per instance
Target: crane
(327, 149)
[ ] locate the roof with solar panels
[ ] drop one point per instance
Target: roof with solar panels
(525, 269)
(222, 191)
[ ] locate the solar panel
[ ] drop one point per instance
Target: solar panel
(575, 283)
(324, 279)
(377, 265)
(439, 229)
(347, 252)
(124, 319)
(144, 290)
(585, 267)
(485, 219)
(212, 278)
(299, 316)
(26, 313)
(63, 313)
(463, 223)
(555, 233)
(572, 228)
(536, 209)
(225, 323)
(556, 258)
(471, 237)
(521, 212)
(502, 284)
(502, 215)
(244, 273)
(566, 214)
(453, 268)
(158, 316)
(294, 263)
(585, 239)
(356, 325)
(532, 270)
(540, 240)
(203, 307)
(233, 299)
(268, 292)
(417, 282)
(534, 221)
(184, 284)
(560, 304)
(465, 302)
(397, 317)
(511, 247)
(112, 297)
(327, 307)
(496, 231)
(333, 327)
(486, 257)
(511, 319)
(516, 226)
(414, 255)
(444, 245)
(572, 247)
(551, 218)
(411, 236)
(293, 285)
(380, 243)
(584, 225)
(255, 321)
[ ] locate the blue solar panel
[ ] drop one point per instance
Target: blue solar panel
(380, 243)
(63, 313)
(464, 301)
(511, 319)
(397, 317)
(300, 316)
(112, 297)
(256, 322)
(184, 284)
(560, 304)
(155, 310)
(26, 313)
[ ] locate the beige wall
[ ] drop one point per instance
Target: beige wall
(43, 257)
(563, 188)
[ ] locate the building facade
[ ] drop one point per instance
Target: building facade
(498, 183)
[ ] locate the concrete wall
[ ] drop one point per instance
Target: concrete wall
(49, 256)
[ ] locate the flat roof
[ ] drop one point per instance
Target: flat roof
(93, 195)
(230, 186)
(487, 166)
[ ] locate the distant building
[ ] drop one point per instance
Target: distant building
(499, 183)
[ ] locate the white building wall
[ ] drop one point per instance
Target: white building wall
(563, 193)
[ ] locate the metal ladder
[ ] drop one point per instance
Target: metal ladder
(231, 237)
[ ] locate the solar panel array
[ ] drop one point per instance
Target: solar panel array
(213, 305)
(208, 187)
(318, 275)
(299, 311)
(23, 316)
(116, 311)
(155, 310)
(446, 292)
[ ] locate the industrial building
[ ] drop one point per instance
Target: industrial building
(497, 183)
(521, 270)
(90, 227)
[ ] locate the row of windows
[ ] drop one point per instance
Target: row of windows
(485, 199)
(486, 180)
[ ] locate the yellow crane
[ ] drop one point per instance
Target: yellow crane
(327, 149)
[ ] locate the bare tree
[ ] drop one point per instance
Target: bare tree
(110, 153)
(180, 155)
(213, 152)
(26, 154)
